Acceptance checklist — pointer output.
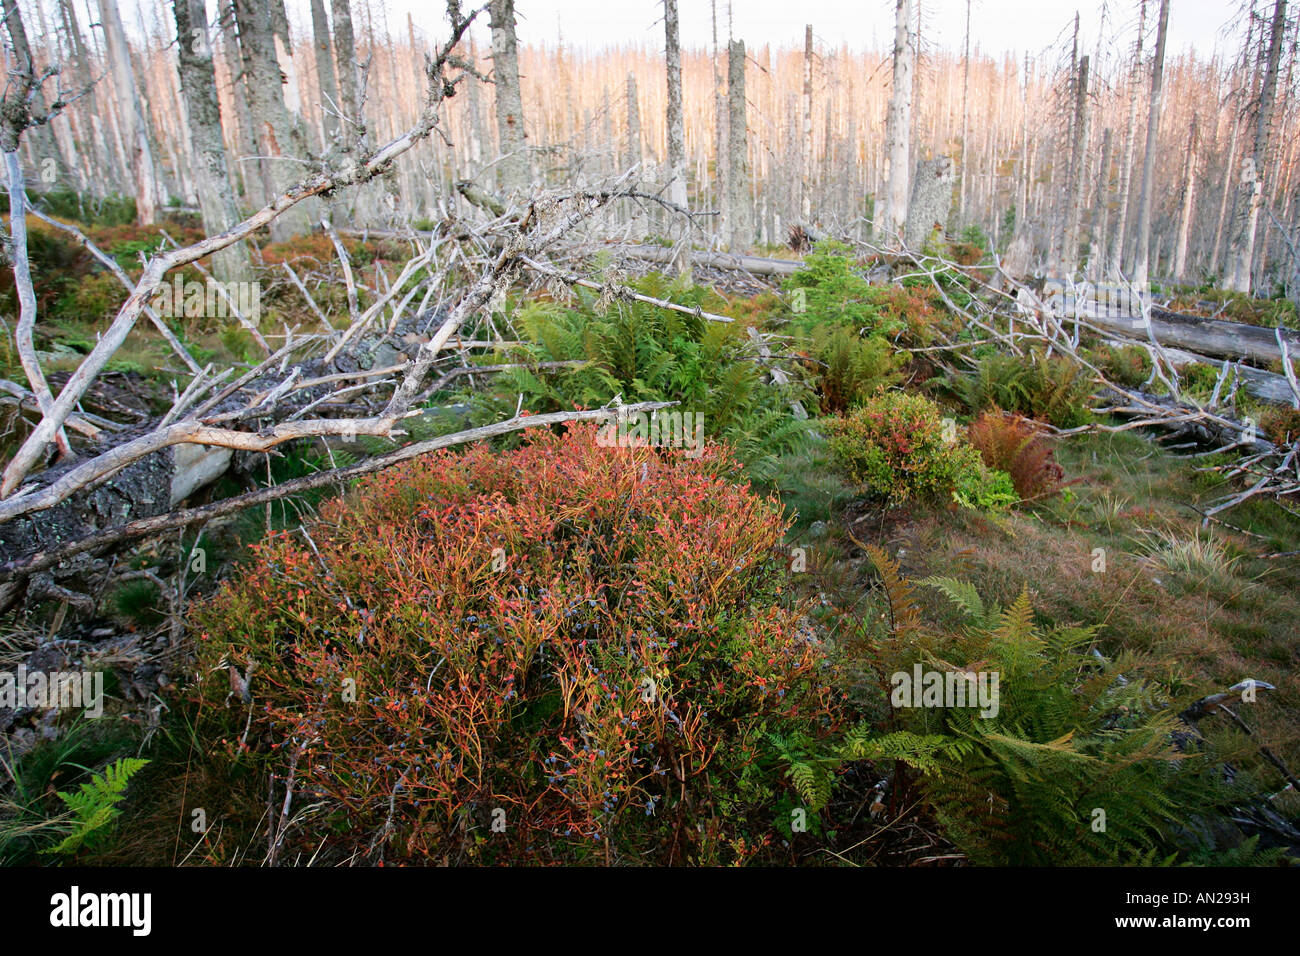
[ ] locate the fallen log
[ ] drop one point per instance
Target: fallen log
(755, 265)
(1212, 337)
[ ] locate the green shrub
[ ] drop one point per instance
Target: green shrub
(898, 446)
(984, 489)
(92, 298)
(829, 291)
(1197, 380)
(561, 653)
(93, 211)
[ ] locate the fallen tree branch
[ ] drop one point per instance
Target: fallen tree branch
(40, 561)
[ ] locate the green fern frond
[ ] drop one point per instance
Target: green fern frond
(94, 805)
(960, 593)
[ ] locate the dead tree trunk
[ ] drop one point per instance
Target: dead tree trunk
(738, 202)
(805, 180)
(135, 134)
(345, 53)
(1078, 150)
(676, 131)
(44, 144)
(510, 109)
(1145, 198)
(1185, 211)
(931, 201)
(1241, 252)
(898, 126)
(676, 124)
(329, 91)
(633, 123)
(198, 80)
(251, 184)
(965, 119)
(1116, 256)
(281, 144)
(1101, 211)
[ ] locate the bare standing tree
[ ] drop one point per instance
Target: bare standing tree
(676, 131)
(198, 80)
(965, 119)
(1078, 150)
(281, 144)
(1145, 197)
(135, 134)
(676, 126)
(346, 56)
(1116, 254)
(510, 110)
(738, 199)
(898, 126)
(329, 90)
(1241, 251)
(719, 123)
(633, 123)
(1185, 208)
(805, 185)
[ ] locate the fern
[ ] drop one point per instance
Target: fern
(925, 753)
(94, 805)
(644, 353)
(1078, 766)
(962, 594)
(812, 774)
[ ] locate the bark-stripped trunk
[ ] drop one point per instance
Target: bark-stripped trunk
(1224, 195)
(1185, 212)
(329, 90)
(198, 80)
(805, 184)
(1077, 187)
(738, 200)
(1241, 252)
(719, 127)
(1022, 214)
(135, 133)
(510, 110)
(633, 123)
(346, 56)
(246, 173)
(1116, 255)
(898, 127)
(1145, 198)
(1101, 211)
(676, 124)
(965, 120)
(43, 143)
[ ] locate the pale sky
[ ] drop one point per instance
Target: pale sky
(1023, 26)
(996, 25)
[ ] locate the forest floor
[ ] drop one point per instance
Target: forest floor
(1121, 546)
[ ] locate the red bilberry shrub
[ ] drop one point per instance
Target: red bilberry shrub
(564, 652)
